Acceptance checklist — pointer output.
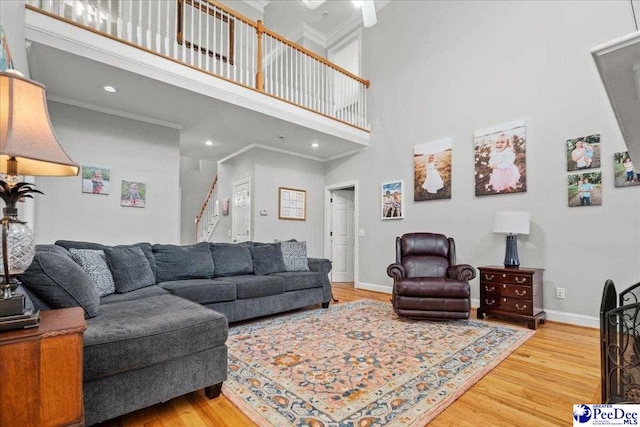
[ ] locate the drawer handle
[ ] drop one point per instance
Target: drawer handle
(487, 302)
(521, 294)
(521, 279)
(486, 276)
(524, 307)
(489, 289)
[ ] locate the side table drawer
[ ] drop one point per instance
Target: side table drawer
(511, 305)
(509, 291)
(508, 277)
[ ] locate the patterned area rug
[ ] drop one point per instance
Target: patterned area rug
(358, 364)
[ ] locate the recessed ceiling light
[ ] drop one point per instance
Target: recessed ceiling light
(109, 88)
(315, 145)
(209, 143)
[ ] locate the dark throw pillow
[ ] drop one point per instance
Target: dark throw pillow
(130, 268)
(294, 255)
(232, 259)
(60, 282)
(267, 259)
(174, 262)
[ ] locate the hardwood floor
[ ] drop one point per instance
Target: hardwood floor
(535, 386)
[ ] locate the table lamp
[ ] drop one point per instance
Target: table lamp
(28, 146)
(512, 223)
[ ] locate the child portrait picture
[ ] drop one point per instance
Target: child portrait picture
(501, 159)
(432, 170)
(133, 194)
(392, 206)
(624, 170)
(95, 180)
(584, 189)
(583, 152)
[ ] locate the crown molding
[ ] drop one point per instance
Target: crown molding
(259, 5)
(314, 35)
(112, 111)
(349, 26)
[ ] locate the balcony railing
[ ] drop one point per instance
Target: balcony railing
(210, 37)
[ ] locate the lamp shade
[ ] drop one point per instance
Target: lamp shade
(25, 130)
(512, 222)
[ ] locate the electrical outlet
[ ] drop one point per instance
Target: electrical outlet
(560, 293)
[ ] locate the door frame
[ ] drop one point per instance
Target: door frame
(327, 222)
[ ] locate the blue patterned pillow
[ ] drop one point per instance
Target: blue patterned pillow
(94, 263)
(294, 255)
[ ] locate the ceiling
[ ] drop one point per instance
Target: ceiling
(78, 81)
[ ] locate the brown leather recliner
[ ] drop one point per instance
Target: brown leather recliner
(427, 283)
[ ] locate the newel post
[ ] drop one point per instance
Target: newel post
(259, 77)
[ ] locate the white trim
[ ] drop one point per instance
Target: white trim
(314, 35)
(111, 111)
(259, 5)
(561, 317)
(348, 153)
(269, 148)
(327, 221)
(374, 288)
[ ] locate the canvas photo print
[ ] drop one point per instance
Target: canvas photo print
(392, 204)
(95, 180)
(501, 159)
(584, 189)
(133, 194)
(432, 170)
(583, 152)
(624, 170)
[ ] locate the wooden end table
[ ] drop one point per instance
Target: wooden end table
(41, 371)
(514, 293)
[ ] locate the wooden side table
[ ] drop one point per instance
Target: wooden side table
(41, 371)
(514, 293)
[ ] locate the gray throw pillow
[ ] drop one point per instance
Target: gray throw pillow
(174, 262)
(267, 259)
(94, 263)
(60, 282)
(130, 268)
(232, 259)
(294, 255)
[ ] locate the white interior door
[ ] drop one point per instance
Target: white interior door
(342, 235)
(241, 214)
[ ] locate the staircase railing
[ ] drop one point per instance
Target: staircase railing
(207, 219)
(214, 39)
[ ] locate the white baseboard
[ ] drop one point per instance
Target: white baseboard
(373, 287)
(562, 317)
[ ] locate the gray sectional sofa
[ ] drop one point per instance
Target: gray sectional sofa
(157, 328)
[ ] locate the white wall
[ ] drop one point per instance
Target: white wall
(458, 66)
(134, 151)
(196, 177)
(268, 171)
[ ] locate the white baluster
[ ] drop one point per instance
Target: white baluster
(158, 35)
(191, 24)
(130, 22)
(214, 48)
(139, 27)
(61, 5)
(199, 41)
(167, 30)
(206, 37)
(235, 47)
(149, 33)
(119, 21)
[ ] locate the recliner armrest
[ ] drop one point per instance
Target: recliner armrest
(396, 271)
(461, 272)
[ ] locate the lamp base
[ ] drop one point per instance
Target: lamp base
(511, 259)
(12, 306)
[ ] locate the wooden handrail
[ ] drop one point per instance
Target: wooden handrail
(262, 29)
(204, 205)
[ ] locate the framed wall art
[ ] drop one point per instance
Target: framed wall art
(584, 189)
(624, 171)
(292, 204)
(392, 194)
(501, 159)
(432, 170)
(133, 194)
(96, 180)
(583, 152)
